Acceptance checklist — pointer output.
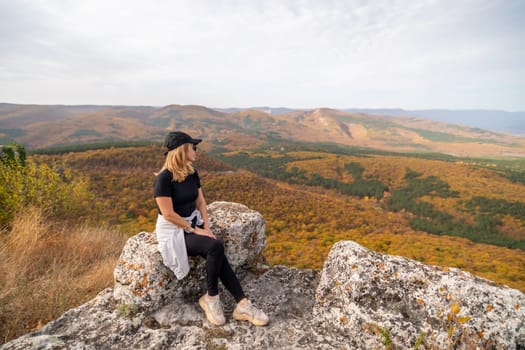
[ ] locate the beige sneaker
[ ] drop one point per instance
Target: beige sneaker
(213, 309)
(250, 313)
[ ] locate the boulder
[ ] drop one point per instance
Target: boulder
(242, 230)
(142, 280)
(375, 300)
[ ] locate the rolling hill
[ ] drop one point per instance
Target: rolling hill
(39, 127)
(494, 120)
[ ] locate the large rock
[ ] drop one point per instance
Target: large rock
(242, 230)
(142, 280)
(286, 293)
(374, 299)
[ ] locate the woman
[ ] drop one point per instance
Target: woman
(183, 230)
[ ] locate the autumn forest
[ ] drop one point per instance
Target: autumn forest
(465, 213)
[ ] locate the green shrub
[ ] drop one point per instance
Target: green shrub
(52, 188)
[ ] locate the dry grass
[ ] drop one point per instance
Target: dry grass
(48, 267)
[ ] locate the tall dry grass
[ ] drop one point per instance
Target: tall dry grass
(47, 267)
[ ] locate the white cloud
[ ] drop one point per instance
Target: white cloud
(295, 53)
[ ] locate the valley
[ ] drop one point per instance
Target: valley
(450, 212)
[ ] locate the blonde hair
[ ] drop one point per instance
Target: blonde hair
(178, 164)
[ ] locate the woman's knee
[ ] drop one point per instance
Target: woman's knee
(216, 247)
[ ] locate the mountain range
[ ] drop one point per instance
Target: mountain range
(502, 121)
(494, 120)
(44, 126)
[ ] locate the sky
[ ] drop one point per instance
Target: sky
(453, 54)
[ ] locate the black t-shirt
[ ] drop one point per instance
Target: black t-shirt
(183, 194)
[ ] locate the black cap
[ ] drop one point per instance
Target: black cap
(177, 138)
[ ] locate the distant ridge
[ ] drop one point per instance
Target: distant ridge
(269, 110)
(45, 126)
(494, 120)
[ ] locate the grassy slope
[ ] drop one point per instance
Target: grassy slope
(48, 267)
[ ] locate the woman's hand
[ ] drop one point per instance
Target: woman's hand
(204, 232)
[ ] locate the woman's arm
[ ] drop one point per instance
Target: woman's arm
(166, 208)
(201, 205)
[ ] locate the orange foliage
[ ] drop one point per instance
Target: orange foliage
(304, 222)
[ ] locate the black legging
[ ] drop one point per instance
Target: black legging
(217, 265)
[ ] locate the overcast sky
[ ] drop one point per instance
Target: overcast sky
(458, 54)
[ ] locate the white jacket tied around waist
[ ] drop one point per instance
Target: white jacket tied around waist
(172, 246)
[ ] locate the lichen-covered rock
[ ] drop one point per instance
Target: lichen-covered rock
(374, 299)
(242, 230)
(285, 293)
(142, 280)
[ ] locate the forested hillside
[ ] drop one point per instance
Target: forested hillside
(38, 127)
(443, 196)
(313, 196)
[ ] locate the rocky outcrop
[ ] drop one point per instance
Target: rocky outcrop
(375, 299)
(141, 279)
(360, 300)
(103, 324)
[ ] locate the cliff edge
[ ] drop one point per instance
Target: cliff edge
(360, 300)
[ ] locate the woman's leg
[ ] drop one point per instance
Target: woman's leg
(217, 265)
(230, 280)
